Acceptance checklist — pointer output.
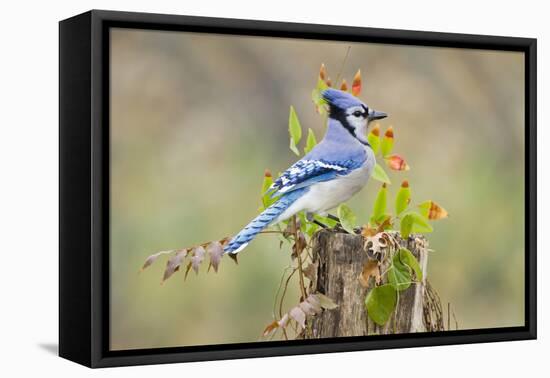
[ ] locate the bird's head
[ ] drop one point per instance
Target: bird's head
(353, 114)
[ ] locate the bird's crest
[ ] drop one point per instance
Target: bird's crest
(340, 99)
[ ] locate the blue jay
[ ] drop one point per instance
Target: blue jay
(331, 173)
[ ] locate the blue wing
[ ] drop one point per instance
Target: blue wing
(307, 172)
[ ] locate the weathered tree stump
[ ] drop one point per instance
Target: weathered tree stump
(340, 259)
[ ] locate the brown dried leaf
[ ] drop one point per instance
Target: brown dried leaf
(215, 250)
(313, 305)
(376, 246)
(307, 308)
(311, 271)
(325, 302)
(284, 321)
(314, 302)
(151, 259)
(198, 257)
(289, 229)
(367, 230)
(187, 269)
(436, 212)
(300, 244)
(173, 263)
(299, 315)
(370, 269)
(385, 224)
(225, 241)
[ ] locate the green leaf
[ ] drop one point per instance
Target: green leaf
(311, 228)
(399, 274)
(420, 224)
(379, 174)
(267, 200)
(414, 222)
(408, 259)
(347, 218)
(310, 142)
(387, 142)
(402, 198)
(295, 130)
(406, 226)
(317, 96)
(380, 303)
(374, 141)
(303, 221)
(380, 203)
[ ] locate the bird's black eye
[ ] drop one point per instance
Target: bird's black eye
(357, 113)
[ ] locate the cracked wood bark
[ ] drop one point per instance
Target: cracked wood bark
(340, 258)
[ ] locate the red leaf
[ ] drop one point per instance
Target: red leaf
(356, 85)
(397, 163)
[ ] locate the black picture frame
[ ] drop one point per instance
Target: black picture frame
(84, 187)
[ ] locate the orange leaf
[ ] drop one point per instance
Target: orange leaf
(397, 163)
(328, 82)
(375, 130)
(356, 85)
(433, 211)
(323, 72)
(344, 86)
(367, 231)
(271, 328)
(389, 132)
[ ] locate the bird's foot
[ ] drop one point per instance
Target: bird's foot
(333, 217)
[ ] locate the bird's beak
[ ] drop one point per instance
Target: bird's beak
(377, 115)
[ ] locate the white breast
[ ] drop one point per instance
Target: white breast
(327, 195)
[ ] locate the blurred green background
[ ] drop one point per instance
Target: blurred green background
(195, 120)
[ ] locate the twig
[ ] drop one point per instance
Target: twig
(282, 301)
(270, 232)
(342, 67)
(456, 321)
(299, 257)
(279, 290)
(448, 316)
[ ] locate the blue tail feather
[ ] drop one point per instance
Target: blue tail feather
(240, 241)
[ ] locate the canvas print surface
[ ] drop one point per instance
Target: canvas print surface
(362, 188)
